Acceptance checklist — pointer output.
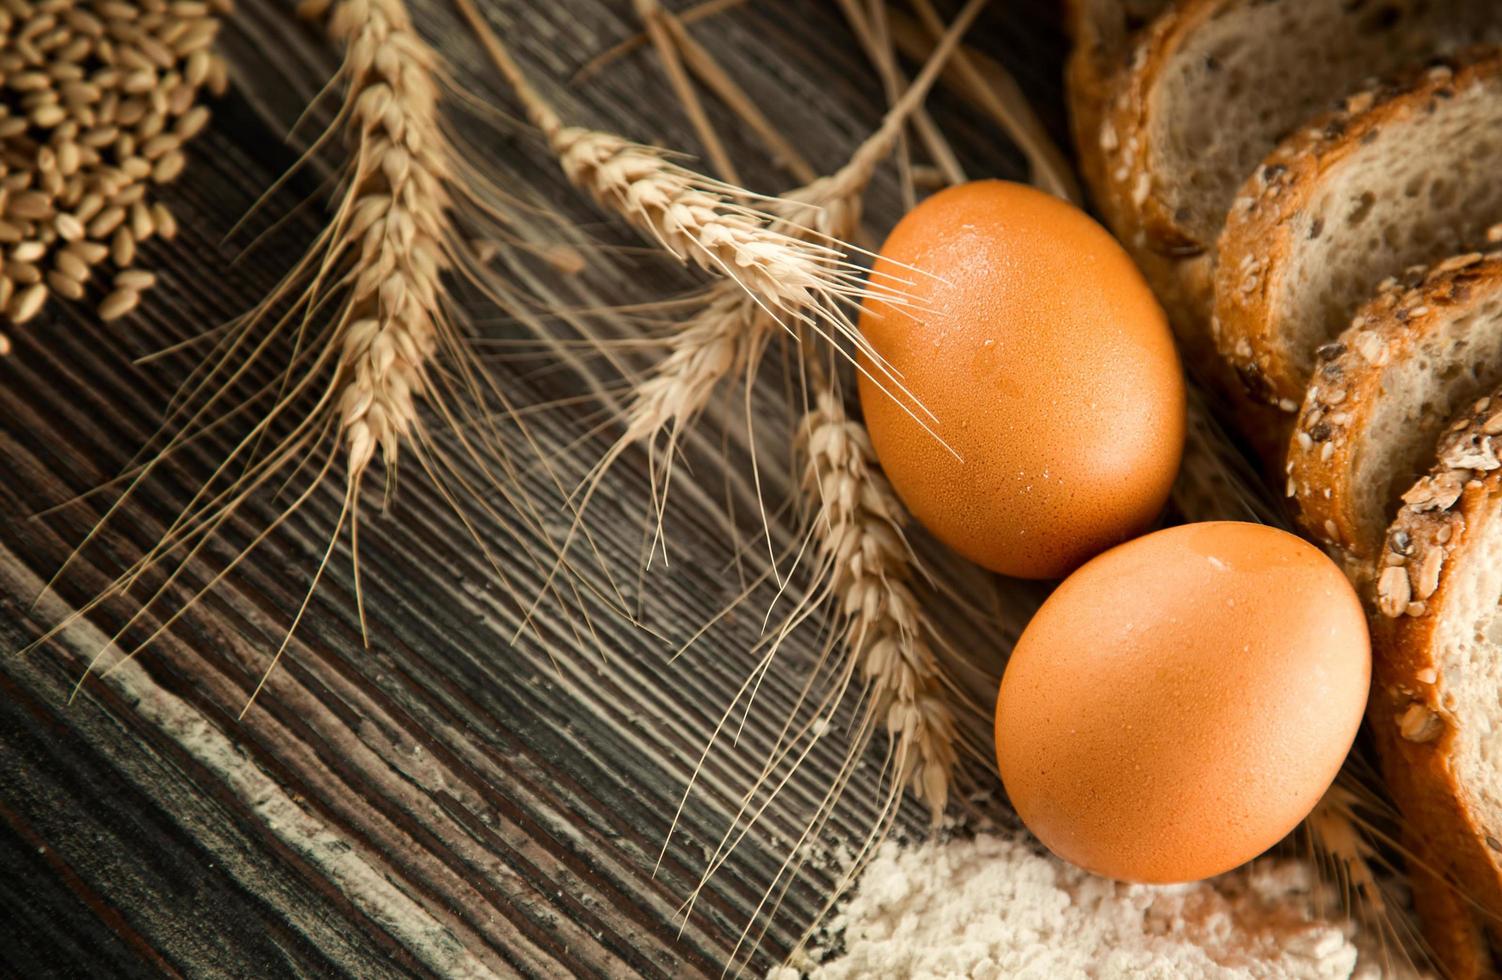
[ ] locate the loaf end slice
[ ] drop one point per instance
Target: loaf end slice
(1429, 344)
(1403, 174)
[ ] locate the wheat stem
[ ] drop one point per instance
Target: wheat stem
(655, 20)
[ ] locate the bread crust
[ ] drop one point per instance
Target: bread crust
(1348, 385)
(1128, 161)
(1457, 943)
(1256, 244)
(1181, 277)
(1438, 529)
(1101, 31)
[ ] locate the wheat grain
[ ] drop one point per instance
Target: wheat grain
(100, 99)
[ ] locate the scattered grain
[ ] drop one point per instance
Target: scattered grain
(123, 247)
(137, 279)
(97, 97)
(27, 303)
(64, 285)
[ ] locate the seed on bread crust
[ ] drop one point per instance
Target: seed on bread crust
(1413, 563)
(1426, 579)
(1418, 723)
(1393, 591)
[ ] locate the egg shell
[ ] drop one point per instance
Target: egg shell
(1181, 702)
(1027, 404)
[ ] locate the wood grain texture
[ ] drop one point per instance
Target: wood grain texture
(446, 802)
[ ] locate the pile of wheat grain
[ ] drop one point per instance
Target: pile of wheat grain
(97, 99)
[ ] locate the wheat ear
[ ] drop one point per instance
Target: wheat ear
(366, 311)
(879, 643)
(858, 526)
(735, 324)
(697, 219)
(884, 637)
(396, 208)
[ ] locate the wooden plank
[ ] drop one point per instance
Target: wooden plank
(445, 802)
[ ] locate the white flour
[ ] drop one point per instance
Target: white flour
(991, 907)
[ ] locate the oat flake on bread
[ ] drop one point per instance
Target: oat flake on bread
(993, 907)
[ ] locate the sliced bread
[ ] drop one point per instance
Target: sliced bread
(1214, 85)
(1402, 174)
(1426, 346)
(1437, 667)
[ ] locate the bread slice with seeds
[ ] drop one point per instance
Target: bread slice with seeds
(1214, 85)
(1437, 663)
(1402, 174)
(1427, 345)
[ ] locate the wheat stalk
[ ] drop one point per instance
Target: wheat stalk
(365, 312)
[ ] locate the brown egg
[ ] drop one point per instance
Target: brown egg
(1031, 409)
(1182, 701)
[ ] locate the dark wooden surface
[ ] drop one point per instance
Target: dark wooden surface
(445, 802)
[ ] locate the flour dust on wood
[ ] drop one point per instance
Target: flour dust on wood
(992, 907)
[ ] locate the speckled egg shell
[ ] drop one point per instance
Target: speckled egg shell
(1027, 403)
(1181, 702)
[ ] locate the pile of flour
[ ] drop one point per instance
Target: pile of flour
(992, 907)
